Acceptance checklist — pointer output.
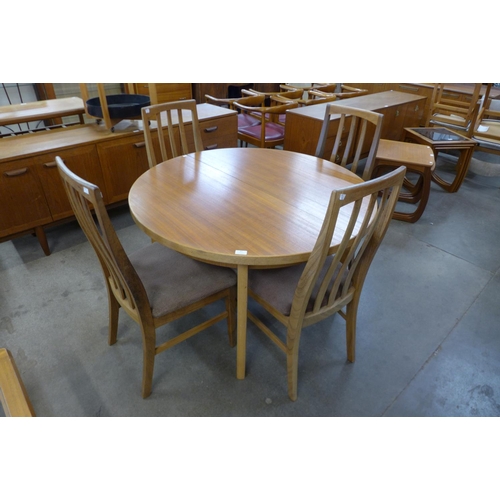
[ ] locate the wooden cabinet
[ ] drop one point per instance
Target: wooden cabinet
(122, 162)
(23, 203)
(31, 192)
(165, 92)
(83, 161)
(303, 125)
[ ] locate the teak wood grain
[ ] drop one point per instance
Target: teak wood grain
(240, 207)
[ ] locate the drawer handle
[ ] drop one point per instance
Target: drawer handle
(211, 129)
(139, 144)
(50, 164)
(15, 173)
(212, 146)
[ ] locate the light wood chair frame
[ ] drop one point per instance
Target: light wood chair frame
(489, 116)
(224, 102)
(124, 286)
(353, 152)
(444, 111)
(346, 93)
(340, 285)
(175, 128)
(14, 399)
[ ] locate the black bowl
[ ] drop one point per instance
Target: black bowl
(119, 105)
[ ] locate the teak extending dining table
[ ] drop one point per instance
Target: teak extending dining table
(240, 207)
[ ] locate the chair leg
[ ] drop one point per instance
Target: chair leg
(231, 315)
(292, 361)
(148, 359)
(350, 327)
(114, 310)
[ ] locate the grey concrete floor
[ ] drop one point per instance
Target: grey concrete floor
(428, 330)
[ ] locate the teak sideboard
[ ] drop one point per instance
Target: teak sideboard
(459, 91)
(400, 110)
(32, 196)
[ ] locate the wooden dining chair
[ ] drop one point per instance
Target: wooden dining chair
(223, 102)
(268, 132)
(352, 140)
(487, 128)
(300, 296)
(177, 120)
(450, 110)
(309, 96)
(154, 285)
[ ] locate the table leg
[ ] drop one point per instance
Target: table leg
(241, 343)
(462, 167)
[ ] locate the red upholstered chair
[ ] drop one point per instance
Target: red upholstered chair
(269, 132)
(250, 99)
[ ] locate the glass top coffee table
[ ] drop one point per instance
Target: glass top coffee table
(443, 139)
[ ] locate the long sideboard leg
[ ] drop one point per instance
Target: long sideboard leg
(42, 239)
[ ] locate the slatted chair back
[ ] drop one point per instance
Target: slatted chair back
(349, 149)
(117, 268)
(177, 121)
(450, 110)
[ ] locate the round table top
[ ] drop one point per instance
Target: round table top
(250, 206)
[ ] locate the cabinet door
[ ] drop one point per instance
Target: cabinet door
(166, 92)
(414, 114)
(83, 161)
(22, 201)
(122, 162)
(392, 124)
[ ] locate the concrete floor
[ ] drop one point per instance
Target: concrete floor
(428, 330)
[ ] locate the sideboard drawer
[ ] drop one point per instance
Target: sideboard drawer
(220, 132)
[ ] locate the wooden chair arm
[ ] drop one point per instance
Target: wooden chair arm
(219, 101)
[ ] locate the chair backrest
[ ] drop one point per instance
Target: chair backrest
(326, 286)
(350, 148)
(487, 128)
(449, 110)
(488, 108)
(117, 268)
(185, 116)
